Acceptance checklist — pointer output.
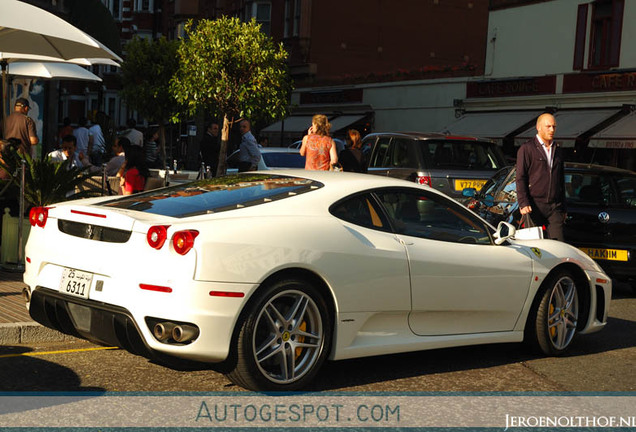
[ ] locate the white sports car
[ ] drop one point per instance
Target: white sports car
(270, 274)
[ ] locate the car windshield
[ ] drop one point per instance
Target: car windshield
(494, 183)
(283, 160)
(463, 154)
(215, 195)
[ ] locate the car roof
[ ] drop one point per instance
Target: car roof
(428, 135)
(278, 150)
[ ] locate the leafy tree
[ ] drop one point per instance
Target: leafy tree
(146, 75)
(233, 70)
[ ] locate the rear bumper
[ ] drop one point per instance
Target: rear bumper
(100, 323)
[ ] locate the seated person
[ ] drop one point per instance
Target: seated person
(68, 151)
(119, 150)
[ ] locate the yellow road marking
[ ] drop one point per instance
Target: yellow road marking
(32, 354)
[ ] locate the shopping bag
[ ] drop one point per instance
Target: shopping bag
(531, 232)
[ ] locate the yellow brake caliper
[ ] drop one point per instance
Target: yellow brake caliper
(552, 329)
(301, 339)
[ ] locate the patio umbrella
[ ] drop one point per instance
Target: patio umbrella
(10, 57)
(26, 30)
(51, 71)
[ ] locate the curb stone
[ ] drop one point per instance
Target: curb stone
(30, 332)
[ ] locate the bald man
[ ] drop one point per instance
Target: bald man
(540, 179)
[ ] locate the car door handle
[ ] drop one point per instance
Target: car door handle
(405, 242)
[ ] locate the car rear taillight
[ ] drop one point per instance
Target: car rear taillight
(423, 180)
(183, 241)
(38, 216)
(157, 236)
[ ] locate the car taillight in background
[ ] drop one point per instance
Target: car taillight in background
(423, 180)
(38, 216)
(183, 241)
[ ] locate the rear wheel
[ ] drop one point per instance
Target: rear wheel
(283, 338)
(552, 325)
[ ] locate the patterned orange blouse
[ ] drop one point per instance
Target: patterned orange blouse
(317, 152)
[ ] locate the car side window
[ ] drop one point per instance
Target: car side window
(626, 187)
(400, 153)
(380, 154)
(426, 215)
(361, 210)
(587, 188)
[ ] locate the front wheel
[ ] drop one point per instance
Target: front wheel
(552, 324)
(283, 339)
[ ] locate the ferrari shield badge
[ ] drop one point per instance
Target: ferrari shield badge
(537, 252)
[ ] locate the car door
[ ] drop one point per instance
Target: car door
(461, 282)
(588, 194)
(600, 218)
(394, 157)
(379, 259)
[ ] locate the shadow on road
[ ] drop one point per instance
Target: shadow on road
(22, 372)
(617, 335)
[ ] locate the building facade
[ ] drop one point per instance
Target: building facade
(574, 58)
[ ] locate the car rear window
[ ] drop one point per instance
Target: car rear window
(463, 154)
(215, 195)
(283, 160)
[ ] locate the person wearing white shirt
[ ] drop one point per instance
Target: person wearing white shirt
(135, 136)
(68, 151)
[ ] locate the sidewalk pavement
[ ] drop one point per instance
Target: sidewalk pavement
(16, 326)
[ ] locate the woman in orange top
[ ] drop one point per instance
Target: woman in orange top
(318, 147)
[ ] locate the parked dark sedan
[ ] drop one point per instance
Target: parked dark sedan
(601, 214)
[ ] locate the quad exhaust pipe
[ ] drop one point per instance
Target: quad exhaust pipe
(166, 330)
(163, 330)
(26, 295)
(185, 333)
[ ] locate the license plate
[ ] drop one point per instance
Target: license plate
(460, 185)
(606, 254)
(76, 283)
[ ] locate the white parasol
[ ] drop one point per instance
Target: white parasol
(27, 31)
(51, 71)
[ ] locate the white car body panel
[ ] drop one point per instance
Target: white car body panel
(367, 273)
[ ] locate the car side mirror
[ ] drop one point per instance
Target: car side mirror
(469, 192)
(504, 232)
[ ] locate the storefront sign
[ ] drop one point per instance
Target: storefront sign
(601, 82)
(331, 97)
(514, 87)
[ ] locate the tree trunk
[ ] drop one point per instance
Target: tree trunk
(225, 137)
(162, 143)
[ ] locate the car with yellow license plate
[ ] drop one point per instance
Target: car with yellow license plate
(266, 275)
(601, 212)
(447, 163)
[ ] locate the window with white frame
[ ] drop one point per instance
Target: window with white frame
(296, 17)
(262, 12)
(114, 6)
(288, 19)
(143, 5)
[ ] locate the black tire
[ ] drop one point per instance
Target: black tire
(283, 339)
(551, 326)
